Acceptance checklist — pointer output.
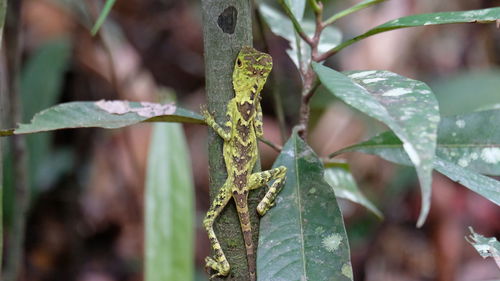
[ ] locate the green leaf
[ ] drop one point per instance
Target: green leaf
(102, 17)
(406, 106)
(472, 16)
(471, 141)
(299, 52)
(339, 177)
(466, 140)
(104, 114)
(389, 147)
(169, 204)
(467, 92)
(303, 236)
(487, 247)
(482, 185)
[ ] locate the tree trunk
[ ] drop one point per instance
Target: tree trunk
(227, 26)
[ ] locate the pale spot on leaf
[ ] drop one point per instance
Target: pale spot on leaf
(373, 80)
(396, 92)
(332, 242)
(347, 271)
(460, 123)
(113, 107)
(147, 109)
(362, 74)
(463, 162)
(491, 155)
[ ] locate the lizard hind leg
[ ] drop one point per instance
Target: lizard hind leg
(218, 263)
(263, 178)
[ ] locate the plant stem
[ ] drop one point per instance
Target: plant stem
(227, 26)
(308, 76)
(21, 195)
(316, 6)
(308, 91)
(295, 22)
(347, 43)
(351, 10)
(272, 145)
(3, 8)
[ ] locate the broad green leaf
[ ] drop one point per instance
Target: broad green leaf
(169, 205)
(467, 140)
(472, 16)
(467, 92)
(406, 106)
(303, 236)
(387, 149)
(472, 141)
(104, 114)
(102, 16)
(487, 247)
(341, 180)
(299, 52)
(482, 185)
(277, 22)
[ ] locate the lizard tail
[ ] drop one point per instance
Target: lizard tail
(246, 229)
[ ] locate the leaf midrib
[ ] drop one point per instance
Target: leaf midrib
(299, 201)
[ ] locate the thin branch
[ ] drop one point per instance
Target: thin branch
(274, 146)
(308, 75)
(295, 22)
(304, 108)
(318, 12)
(338, 48)
(316, 6)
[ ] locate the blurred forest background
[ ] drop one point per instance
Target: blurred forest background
(85, 220)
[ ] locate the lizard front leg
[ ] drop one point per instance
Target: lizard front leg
(224, 133)
(262, 178)
(219, 263)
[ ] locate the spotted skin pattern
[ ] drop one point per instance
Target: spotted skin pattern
(240, 135)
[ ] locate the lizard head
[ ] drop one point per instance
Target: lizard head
(251, 70)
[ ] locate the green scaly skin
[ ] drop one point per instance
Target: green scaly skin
(240, 135)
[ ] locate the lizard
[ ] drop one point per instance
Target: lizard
(240, 134)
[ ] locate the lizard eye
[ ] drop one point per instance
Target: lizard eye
(238, 62)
